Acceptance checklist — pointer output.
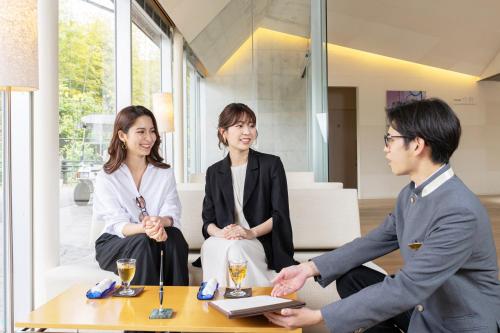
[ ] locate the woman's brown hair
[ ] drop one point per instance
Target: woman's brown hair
(231, 114)
(117, 150)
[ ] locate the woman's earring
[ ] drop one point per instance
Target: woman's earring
(124, 146)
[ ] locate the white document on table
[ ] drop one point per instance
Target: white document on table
(235, 304)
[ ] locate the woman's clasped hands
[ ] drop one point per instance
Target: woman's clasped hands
(235, 232)
(153, 227)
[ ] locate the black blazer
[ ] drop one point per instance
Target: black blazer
(265, 195)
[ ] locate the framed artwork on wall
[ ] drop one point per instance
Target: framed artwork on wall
(395, 97)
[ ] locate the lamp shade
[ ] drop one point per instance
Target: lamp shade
(163, 109)
(18, 45)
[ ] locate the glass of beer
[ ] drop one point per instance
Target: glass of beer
(238, 271)
(126, 271)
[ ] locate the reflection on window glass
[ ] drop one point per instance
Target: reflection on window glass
(146, 68)
(86, 113)
(265, 68)
(191, 105)
(2, 238)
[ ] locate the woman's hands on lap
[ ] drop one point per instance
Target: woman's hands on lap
(154, 228)
(235, 232)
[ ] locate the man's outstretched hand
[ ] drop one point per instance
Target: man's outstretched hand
(292, 278)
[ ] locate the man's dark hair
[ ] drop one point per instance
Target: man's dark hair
(430, 119)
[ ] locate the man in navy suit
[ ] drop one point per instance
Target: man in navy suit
(449, 281)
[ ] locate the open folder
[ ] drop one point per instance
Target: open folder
(253, 306)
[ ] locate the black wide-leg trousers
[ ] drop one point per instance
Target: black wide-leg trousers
(361, 277)
(109, 248)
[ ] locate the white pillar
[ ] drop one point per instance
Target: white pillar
(46, 149)
(177, 91)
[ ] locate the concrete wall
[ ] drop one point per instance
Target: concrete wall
(477, 160)
(275, 91)
(272, 87)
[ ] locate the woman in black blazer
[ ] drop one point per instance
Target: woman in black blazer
(245, 210)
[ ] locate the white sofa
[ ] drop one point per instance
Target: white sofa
(324, 216)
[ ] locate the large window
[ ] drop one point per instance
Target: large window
(192, 119)
(86, 112)
(87, 97)
(146, 59)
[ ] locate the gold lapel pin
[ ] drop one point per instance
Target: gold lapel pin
(415, 245)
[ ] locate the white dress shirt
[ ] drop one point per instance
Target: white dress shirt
(115, 194)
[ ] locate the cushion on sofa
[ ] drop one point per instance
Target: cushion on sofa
(86, 271)
(323, 219)
(191, 196)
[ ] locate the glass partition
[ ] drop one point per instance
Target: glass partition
(86, 113)
(192, 119)
(2, 235)
(257, 52)
(15, 239)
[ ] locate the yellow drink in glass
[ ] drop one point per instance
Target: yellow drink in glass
(126, 271)
(237, 271)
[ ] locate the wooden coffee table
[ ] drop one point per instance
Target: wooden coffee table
(72, 310)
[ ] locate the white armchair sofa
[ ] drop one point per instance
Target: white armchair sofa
(324, 216)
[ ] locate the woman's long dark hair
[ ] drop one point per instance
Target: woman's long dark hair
(123, 121)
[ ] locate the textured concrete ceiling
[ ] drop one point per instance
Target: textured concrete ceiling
(462, 36)
(192, 16)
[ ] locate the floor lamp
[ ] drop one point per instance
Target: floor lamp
(19, 72)
(163, 109)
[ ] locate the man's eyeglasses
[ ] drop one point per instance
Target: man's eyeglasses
(141, 203)
(388, 138)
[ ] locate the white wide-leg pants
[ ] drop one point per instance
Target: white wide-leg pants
(215, 253)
